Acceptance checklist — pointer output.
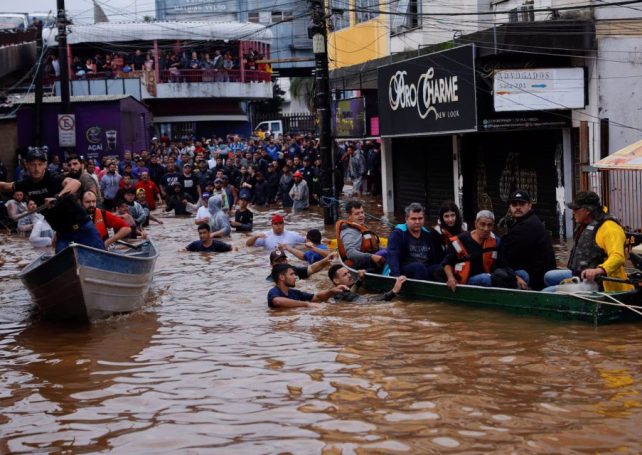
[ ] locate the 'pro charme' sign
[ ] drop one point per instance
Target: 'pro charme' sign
(428, 95)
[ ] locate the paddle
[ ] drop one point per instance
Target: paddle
(634, 278)
(131, 245)
(38, 209)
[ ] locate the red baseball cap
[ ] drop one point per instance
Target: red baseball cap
(277, 219)
(297, 174)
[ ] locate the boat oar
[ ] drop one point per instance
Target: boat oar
(38, 209)
(131, 245)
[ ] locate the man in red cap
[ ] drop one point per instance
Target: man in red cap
(299, 193)
(270, 240)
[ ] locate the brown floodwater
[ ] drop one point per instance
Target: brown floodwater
(206, 367)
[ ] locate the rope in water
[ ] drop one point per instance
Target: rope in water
(615, 302)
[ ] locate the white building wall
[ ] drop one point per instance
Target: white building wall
(619, 72)
(441, 27)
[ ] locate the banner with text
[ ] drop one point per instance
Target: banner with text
(432, 94)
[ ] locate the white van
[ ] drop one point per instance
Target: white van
(14, 21)
(272, 128)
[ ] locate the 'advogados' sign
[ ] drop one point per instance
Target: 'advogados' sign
(430, 94)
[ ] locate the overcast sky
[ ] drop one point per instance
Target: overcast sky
(82, 11)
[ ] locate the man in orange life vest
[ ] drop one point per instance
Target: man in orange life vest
(104, 219)
(358, 246)
(472, 256)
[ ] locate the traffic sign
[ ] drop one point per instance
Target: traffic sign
(66, 130)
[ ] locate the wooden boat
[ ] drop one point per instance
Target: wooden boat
(85, 283)
(579, 306)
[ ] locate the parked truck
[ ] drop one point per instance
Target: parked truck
(286, 124)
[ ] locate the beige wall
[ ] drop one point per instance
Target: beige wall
(8, 144)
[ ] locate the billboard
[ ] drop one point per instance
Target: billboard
(538, 89)
(433, 94)
(349, 118)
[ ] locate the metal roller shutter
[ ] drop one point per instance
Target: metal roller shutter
(422, 171)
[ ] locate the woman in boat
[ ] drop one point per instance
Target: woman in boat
(450, 224)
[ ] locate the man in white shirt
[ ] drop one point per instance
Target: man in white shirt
(270, 240)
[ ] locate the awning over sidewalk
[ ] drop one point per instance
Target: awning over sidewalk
(629, 158)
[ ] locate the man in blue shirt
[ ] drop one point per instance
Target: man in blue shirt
(283, 294)
(413, 250)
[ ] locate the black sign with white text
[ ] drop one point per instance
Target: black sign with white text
(431, 94)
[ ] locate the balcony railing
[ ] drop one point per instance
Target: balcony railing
(177, 76)
(212, 75)
(8, 38)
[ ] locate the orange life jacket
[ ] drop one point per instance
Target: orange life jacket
(369, 240)
(444, 234)
(489, 256)
(99, 222)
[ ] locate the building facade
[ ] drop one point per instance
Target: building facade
(287, 20)
(478, 99)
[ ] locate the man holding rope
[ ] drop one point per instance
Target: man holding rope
(598, 249)
(56, 197)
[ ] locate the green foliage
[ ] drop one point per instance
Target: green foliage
(304, 88)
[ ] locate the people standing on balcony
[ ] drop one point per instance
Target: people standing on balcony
(138, 60)
(194, 63)
(90, 67)
(55, 65)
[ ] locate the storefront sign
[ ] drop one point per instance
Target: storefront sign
(538, 89)
(429, 95)
(349, 118)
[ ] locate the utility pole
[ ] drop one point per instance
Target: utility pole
(39, 90)
(318, 31)
(62, 57)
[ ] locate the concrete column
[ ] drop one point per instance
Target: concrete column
(387, 180)
(564, 191)
(458, 179)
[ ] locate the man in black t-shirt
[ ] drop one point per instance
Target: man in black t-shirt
(206, 243)
(283, 294)
(63, 212)
(243, 217)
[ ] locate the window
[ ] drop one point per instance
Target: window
(366, 10)
(340, 10)
(269, 17)
(406, 15)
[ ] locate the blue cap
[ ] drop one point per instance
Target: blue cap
(206, 195)
(245, 194)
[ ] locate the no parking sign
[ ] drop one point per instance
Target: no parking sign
(66, 130)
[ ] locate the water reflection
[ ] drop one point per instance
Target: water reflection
(206, 367)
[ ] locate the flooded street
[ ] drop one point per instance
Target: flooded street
(206, 367)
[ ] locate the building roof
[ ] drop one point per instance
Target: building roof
(112, 32)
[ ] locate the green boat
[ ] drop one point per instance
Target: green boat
(594, 307)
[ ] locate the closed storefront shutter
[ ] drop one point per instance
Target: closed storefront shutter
(495, 164)
(423, 172)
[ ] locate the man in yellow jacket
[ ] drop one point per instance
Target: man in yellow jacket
(599, 246)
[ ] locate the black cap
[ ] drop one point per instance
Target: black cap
(520, 195)
(585, 199)
(37, 153)
(277, 254)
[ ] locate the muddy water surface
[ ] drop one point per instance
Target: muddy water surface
(207, 368)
